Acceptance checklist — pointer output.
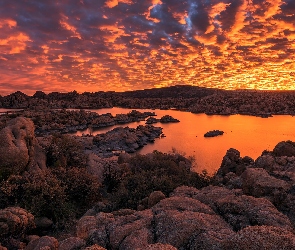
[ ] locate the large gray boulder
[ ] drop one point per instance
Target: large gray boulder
(19, 147)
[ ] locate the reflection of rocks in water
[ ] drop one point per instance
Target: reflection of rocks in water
(125, 139)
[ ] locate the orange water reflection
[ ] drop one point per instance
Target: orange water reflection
(248, 134)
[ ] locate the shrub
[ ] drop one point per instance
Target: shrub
(65, 151)
(42, 195)
(59, 195)
(81, 189)
(153, 172)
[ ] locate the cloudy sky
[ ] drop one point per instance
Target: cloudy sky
(92, 45)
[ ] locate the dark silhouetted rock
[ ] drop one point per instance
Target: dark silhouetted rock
(233, 162)
(284, 148)
(45, 242)
(71, 243)
(168, 119)
(213, 133)
(155, 197)
(17, 144)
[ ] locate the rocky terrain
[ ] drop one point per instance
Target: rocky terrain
(249, 203)
(125, 139)
(187, 98)
(48, 121)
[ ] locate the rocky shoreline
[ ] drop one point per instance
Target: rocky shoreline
(247, 200)
(185, 98)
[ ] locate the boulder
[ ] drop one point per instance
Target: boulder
(71, 243)
(185, 191)
(19, 148)
(131, 231)
(158, 246)
(168, 119)
(85, 225)
(17, 144)
(261, 237)
(208, 195)
(155, 197)
(182, 204)
(180, 228)
(45, 242)
(233, 162)
(43, 224)
(242, 211)
(15, 221)
(95, 247)
(284, 148)
(257, 182)
(266, 162)
(99, 234)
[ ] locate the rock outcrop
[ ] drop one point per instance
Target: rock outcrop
(125, 139)
(15, 221)
(19, 148)
(213, 133)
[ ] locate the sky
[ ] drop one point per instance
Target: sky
(119, 45)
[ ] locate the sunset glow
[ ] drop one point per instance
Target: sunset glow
(120, 45)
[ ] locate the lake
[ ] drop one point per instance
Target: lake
(248, 134)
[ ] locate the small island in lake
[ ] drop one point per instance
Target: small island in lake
(213, 133)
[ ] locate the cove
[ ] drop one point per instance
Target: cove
(248, 134)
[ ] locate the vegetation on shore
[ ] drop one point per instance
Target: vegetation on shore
(65, 190)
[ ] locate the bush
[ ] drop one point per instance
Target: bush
(58, 195)
(81, 189)
(153, 172)
(65, 151)
(42, 195)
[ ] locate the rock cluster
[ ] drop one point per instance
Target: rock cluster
(48, 121)
(164, 119)
(213, 133)
(125, 139)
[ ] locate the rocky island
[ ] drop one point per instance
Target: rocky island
(148, 201)
(213, 133)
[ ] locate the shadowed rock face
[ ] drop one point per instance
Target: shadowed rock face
(19, 147)
(284, 148)
(17, 143)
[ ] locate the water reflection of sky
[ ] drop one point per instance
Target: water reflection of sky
(248, 134)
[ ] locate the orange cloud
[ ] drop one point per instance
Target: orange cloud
(15, 43)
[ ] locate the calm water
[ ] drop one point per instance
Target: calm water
(248, 134)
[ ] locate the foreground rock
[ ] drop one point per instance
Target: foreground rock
(19, 148)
